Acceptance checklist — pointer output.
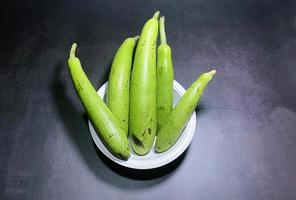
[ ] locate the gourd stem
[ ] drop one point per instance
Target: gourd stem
(162, 30)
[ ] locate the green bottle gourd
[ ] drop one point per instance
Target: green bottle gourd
(143, 114)
(165, 77)
(104, 122)
(119, 82)
(177, 120)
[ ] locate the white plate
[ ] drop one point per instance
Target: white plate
(152, 159)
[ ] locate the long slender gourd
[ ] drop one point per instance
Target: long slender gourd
(104, 122)
(119, 82)
(165, 77)
(143, 123)
(172, 128)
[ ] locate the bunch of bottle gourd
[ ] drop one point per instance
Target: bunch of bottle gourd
(139, 108)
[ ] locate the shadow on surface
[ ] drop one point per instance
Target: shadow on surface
(76, 126)
(200, 109)
(72, 118)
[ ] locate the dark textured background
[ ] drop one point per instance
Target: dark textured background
(245, 142)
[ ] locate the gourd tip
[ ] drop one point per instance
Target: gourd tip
(156, 15)
(73, 49)
(136, 38)
(162, 30)
(212, 72)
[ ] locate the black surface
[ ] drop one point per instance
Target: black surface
(245, 142)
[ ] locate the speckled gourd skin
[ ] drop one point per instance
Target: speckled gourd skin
(119, 82)
(165, 77)
(143, 123)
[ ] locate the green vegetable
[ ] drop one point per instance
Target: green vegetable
(102, 119)
(119, 82)
(172, 128)
(165, 77)
(143, 89)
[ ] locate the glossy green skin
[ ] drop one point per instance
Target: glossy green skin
(143, 90)
(104, 122)
(165, 78)
(177, 120)
(119, 82)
